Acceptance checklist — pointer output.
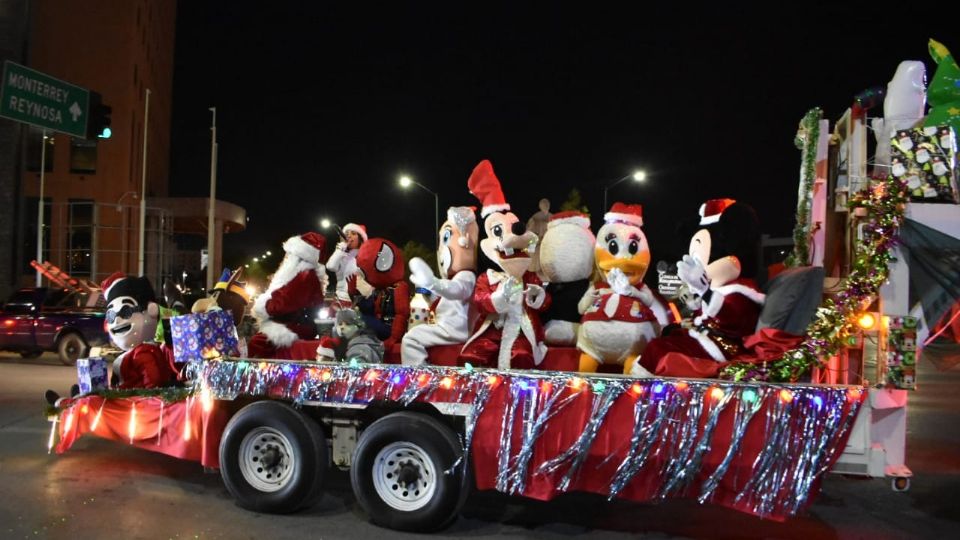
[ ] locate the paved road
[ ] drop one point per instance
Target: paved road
(101, 489)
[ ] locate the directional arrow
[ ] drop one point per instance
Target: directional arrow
(75, 111)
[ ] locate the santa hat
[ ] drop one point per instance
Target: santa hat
(231, 282)
(711, 210)
(483, 184)
(308, 246)
(327, 345)
(119, 284)
(357, 228)
(569, 216)
(631, 214)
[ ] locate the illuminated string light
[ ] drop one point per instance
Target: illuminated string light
(636, 389)
(749, 395)
(186, 422)
(681, 386)
(576, 383)
(84, 409)
(446, 383)
(716, 393)
(325, 376)
(96, 419)
(371, 375)
(786, 396)
(132, 427)
(853, 394)
(206, 399)
(53, 433)
(493, 381)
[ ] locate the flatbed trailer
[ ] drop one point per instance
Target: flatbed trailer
(417, 439)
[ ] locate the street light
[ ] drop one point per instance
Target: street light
(325, 223)
(406, 182)
(638, 176)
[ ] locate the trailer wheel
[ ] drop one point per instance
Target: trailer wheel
(900, 483)
(399, 473)
(71, 347)
(272, 458)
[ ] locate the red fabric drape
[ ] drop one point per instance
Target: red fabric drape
(186, 432)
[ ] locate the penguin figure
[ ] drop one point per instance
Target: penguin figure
(718, 274)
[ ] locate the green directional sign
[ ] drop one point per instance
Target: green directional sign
(35, 98)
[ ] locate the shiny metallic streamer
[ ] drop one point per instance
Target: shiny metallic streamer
(577, 453)
(645, 435)
(687, 467)
(769, 469)
(744, 412)
(680, 439)
(506, 436)
(539, 411)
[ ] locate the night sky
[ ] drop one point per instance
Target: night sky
(319, 111)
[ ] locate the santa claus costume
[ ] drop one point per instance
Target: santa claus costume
(286, 309)
(718, 275)
(132, 317)
(457, 259)
(508, 332)
(343, 261)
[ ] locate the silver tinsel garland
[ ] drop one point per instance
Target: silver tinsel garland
(673, 430)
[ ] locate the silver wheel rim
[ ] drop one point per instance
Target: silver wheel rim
(266, 459)
(404, 476)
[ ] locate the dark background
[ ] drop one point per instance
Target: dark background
(319, 110)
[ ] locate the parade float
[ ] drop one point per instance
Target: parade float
(758, 437)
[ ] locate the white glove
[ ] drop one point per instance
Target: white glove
(342, 246)
(420, 273)
(692, 272)
(620, 283)
(365, 289)
(535, 295)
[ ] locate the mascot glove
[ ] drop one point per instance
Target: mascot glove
(509, 293)
(620, 283)
(535, 296)
(692, 272)
(363, 287)
(420, 274)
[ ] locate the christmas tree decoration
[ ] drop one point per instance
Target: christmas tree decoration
(944, 90)
(806, 141)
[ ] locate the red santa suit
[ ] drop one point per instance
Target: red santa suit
(508, 332)
(145, 366)
(285, 310)
(616, 327)
(719, 327)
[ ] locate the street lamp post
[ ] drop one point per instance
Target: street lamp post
(637, 176)
(406, 181)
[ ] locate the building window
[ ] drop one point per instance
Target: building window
(34, 150)
(80, 237)
(83, 156)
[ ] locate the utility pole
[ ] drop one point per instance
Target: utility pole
(143, 187)
(211, 238)
(43, 169)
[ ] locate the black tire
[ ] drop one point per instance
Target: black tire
(71, 347)
(299, 451)
(421, 436)
(30, 355)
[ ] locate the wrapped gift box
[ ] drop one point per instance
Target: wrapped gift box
(902, 353)
(200, 336)
(92, 374)
(926, 159)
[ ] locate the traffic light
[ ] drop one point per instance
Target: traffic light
(98, 121)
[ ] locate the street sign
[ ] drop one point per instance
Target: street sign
(35, 98)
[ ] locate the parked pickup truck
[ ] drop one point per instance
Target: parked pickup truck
(41, 319)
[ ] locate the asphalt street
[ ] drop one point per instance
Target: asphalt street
(103, 489)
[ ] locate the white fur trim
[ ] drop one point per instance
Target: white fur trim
(278, 334)
(538, 303)
(737, 288)
(561, 333)
(579, 220)
(615, 217)
(707, 220)
(708, 345)
(357, 229)
(325, 351)
(297, 246)
(489, 209)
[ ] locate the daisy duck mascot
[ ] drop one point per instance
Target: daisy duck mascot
(620, 313)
